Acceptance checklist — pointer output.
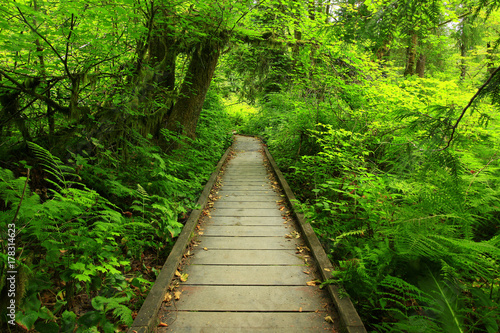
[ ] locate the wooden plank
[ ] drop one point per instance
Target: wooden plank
(237, 193)
(250, 298)
(271, 204)
(255, 231)
(246, 212)
(245, 275)
(243, 322)
(247, 198)
(246, 173)
(237, 178)
(246, 220)
(247, 243)
(245, 257)
(263, 187)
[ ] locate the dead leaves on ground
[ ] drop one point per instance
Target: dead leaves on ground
(293, 234)
(329, 319)
(169, 296)
(181, 276)
(313, 282)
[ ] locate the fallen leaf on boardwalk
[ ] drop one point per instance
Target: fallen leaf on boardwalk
(312, 283)
(184, 277)
(177, 273)
(177, 295)
(328, 319)
(167, 298)
(205, 249)
(328, 269)
(306, 272)
(200, 233)
(300, 309)
(162, 324)
(288, 236)
(281, 208)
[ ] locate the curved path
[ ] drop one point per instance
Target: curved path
(248, 273)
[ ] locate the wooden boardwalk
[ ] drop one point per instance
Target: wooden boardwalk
(248, 272)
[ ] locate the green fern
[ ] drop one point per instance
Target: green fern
(339, 238)
(120, 311)
(53, 166)
(445, 302)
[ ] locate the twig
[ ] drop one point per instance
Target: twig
(245, 14)
(454, 128)
(47, 100)
(64, 61)
(477, 173)
(22, 196)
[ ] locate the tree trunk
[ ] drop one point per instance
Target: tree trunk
(421, 65)
(312, 9)
(411, 55)
(463, 54)
(186, 111)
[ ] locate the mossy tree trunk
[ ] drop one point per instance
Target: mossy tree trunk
(411, 54)
(185, 113)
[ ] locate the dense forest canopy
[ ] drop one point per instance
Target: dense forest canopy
(383, 115)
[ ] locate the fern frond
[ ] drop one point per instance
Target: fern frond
(445, 301)
(124, 314)
(52, 165)
(142, 191)
(339, 238)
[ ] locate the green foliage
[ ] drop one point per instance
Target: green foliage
(413, 229)
(399, 184)
(77, 240)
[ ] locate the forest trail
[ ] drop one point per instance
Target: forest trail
(248, 272)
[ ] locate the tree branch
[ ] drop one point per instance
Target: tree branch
(64, 61)
(67, 44)
(454, 128)
(458, 18)
(22, 195)
(47, 100)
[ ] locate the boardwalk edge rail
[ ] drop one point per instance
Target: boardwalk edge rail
(349, 318)
(147, 318)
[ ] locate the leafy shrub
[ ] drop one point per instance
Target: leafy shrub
(413, 229)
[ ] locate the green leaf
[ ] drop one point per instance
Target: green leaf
(98, 303)
(82, 277)
(50, 327)
(90, 319)
(68, 321)
(27, 321)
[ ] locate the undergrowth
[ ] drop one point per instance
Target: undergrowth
(94, 226)
(413, 229)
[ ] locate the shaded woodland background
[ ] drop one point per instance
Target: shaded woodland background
(383, 115)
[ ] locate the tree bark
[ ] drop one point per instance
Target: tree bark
(463, 54)
(186, 111)
(421, 65)
(411, 55)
